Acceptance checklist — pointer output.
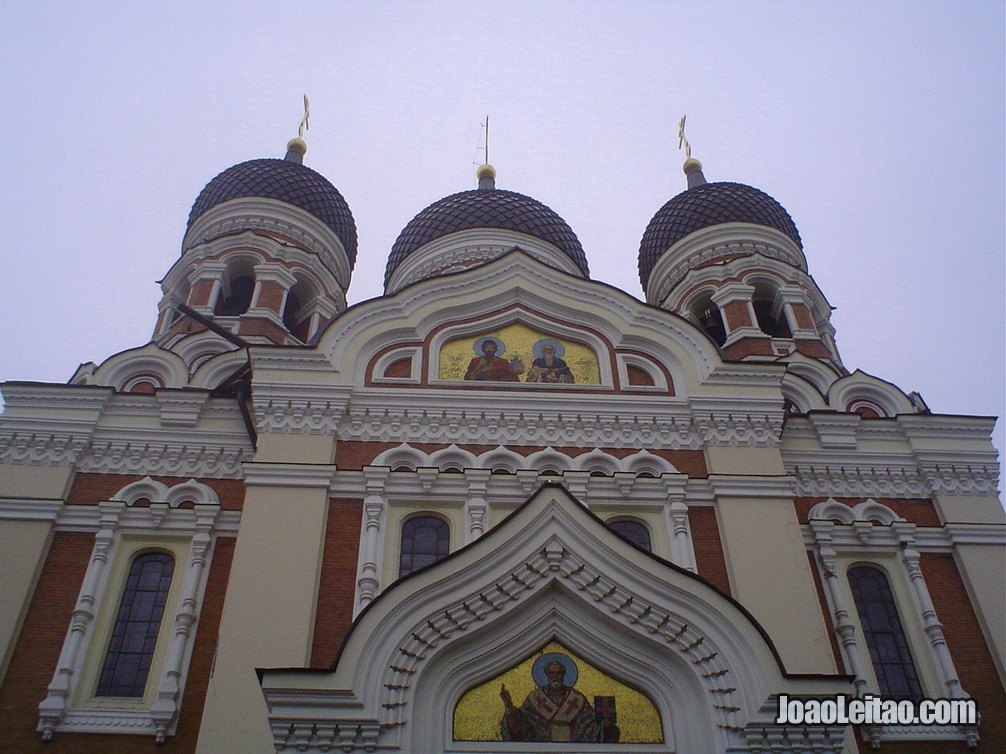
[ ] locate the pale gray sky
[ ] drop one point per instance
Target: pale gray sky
(879, 126)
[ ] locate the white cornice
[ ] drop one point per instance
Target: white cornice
(591, 421)
(158, 518)
(865, 536)
(288, 474)
(734, 485)
(12, 509)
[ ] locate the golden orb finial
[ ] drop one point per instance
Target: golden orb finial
(487, 176)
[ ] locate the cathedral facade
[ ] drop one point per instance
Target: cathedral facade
(501, 508)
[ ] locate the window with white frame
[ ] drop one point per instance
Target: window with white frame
(883, 616)
(125, 657)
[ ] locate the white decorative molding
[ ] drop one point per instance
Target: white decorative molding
(414, 353)
(418, 309)
(868, 510)
(42, 447)
(894, 480)
(641, 462)
(584, 428)
(199, 459)
(297, 409)
(647, 366)
(860, 385)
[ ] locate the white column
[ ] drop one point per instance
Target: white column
(375, 505)
(682, 550)
(53, 708)
(476, 507)
(165, 708)
(845, 629)
(930, 623)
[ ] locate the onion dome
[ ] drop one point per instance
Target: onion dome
(288, 181)
(704, 205)
(486, 207)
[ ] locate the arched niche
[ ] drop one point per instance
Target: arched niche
(599, 707)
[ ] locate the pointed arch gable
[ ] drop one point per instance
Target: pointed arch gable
(550, 570)
(588, 312)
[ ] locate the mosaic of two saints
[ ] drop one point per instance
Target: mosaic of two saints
(518, 353)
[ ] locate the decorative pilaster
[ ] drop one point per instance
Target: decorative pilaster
(375, 506)
(682, 551)
(476, 506)
(930, 623)
(53, 708)
(165, 707)
(845, 629)
(676, 515)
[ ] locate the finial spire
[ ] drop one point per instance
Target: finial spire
(486, 173)
(297, 148)
(692, 167)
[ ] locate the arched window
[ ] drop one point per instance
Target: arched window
(134, 636)
(885, 638)
(425, 540)
(707, 314)
(633, 531)
(771, 321)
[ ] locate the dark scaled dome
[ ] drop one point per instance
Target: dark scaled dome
(706, 205)
(486, 208)
(286, 181)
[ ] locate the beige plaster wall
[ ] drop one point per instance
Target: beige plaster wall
(35, 482)
(268, 615)
(287, 448)
(973, 509)
(744, 460)
(983, 568)
(23, 547)
(770, 575)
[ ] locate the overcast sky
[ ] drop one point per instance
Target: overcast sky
(879, 126)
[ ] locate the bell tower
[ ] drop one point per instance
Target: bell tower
(268, 253)
(729, 258)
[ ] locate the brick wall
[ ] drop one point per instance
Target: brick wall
(41, 640)
(709, 560)
(337, 585)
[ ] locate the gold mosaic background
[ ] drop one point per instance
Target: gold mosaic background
(478, 714)
(455, 355)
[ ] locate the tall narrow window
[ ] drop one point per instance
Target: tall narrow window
(425, 540)
(633, 531)
(885, 637)
(137, 623)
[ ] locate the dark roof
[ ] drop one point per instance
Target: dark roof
(706, 205)
(486, 208)
(285, 181)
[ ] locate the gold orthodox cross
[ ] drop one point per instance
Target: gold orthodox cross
(304, 121)
(682, 140)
